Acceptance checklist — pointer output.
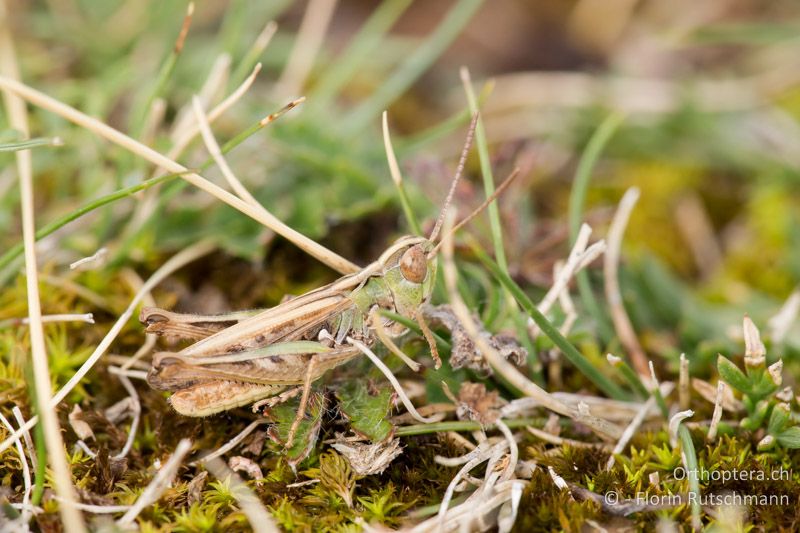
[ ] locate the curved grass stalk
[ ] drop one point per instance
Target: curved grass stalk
(397, 178)
(619, 316)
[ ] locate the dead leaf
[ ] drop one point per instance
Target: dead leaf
(254, 443)
(709, 393)
(195, 487)
(464, 353)
(475, 403)
(368, 459)
(78, 425)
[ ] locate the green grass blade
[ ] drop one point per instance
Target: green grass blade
(413, 223)
(632, 378)
(692, 470)
(365, 42)
(233, 28)
(569, 351)
(413, 67)
(16, 250)
(30, 143)
(577, 204)
(488, 177)
(139, 115)
(462, 425)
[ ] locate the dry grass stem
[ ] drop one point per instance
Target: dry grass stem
(619, 316)
(216, 153)
(136, 413)
(88, 318)
(695, 225)
(215, 83)
(561, 441)
(258, 516)
(380, 330)
(158, 485)
(26, 436)
(182, 138)
(18, 119)
(93, 261)
(566, 273)
(231, 444)
(684, 391)
(627, 435)
(311, 247)
(579, 257)
(674, 423)
(153, 120)
(717, 415)
(394, 167)
(26, 473)
(82, 292)
(566, 303)
(307, 44)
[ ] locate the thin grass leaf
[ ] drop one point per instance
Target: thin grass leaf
(413, 143)
(16, 251)
(632, 378)
(413, 67)
(365, 42)
(486, 173)
(464, 425)
(164, 74)
(690, 456)
(577, 204)
(397, 178)
(31, 143)
(251, 58)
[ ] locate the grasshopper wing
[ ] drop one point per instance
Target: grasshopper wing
(208, 385)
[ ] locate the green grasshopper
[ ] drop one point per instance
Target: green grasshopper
(243, 358)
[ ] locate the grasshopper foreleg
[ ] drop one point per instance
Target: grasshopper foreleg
(428, 334)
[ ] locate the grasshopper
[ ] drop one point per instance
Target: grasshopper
(269, 356)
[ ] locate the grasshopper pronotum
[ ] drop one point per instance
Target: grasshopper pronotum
(242, 358)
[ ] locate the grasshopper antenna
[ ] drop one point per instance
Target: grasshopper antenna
(497, 192)
(459, 171)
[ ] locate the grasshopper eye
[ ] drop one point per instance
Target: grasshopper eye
(414, 265)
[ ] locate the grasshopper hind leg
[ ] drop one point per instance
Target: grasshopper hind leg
(301, 411)
(206, 399)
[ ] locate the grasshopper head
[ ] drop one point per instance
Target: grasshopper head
(409, 273)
